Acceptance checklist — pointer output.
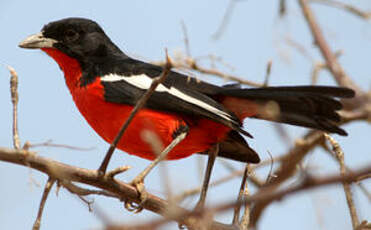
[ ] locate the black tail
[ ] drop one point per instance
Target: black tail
(308, 106)
(235, 147)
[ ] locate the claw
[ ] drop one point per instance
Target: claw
(133, 207)
(142, 194)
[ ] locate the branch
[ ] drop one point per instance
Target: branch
(114, 187)
(307, 182)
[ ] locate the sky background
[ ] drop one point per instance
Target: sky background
(143, 29)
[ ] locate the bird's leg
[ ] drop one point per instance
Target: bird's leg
(137, 182)
(213, 153)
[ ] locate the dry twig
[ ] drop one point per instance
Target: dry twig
(349, 8)
(14, 99)
(347, 189)
(237, 209)
(226, 18)
(48, 186)
(245, 220)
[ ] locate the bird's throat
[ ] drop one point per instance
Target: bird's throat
(70, 67)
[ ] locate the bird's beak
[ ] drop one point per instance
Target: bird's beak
(37, 41)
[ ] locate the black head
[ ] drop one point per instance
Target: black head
(79, 38)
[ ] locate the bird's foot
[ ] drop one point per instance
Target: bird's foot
(138, 184)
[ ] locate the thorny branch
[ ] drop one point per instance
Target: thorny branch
(61, 171)
(114, 187)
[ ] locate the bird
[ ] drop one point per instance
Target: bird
(105, 84)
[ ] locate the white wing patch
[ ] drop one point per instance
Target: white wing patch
(142, 81)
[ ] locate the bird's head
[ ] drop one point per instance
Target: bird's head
(73, 42)
(77, 37)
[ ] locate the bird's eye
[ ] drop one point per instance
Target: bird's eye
(71, 35)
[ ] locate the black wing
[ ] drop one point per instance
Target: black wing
(178, 94)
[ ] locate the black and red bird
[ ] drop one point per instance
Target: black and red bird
(105, 84)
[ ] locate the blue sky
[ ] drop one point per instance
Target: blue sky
(143, 29)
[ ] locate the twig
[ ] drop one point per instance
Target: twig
(193, 65)
(186, 39)
(349, 8)
(282, 133)
(72, 188)
(358, 183)
(14, 99)
(364, 190)
(49, 143)
(245, 220)
(361, 114)
(225, 20)
(237, 209)
(116, 171)
(190, 63)
(347, 189)
(282, 8)
(48, 186)
(141, 102)
(270, 173)
(268, 73)
(300, 48)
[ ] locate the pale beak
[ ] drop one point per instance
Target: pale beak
(37, 41)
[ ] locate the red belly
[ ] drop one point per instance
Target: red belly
(107, 118)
